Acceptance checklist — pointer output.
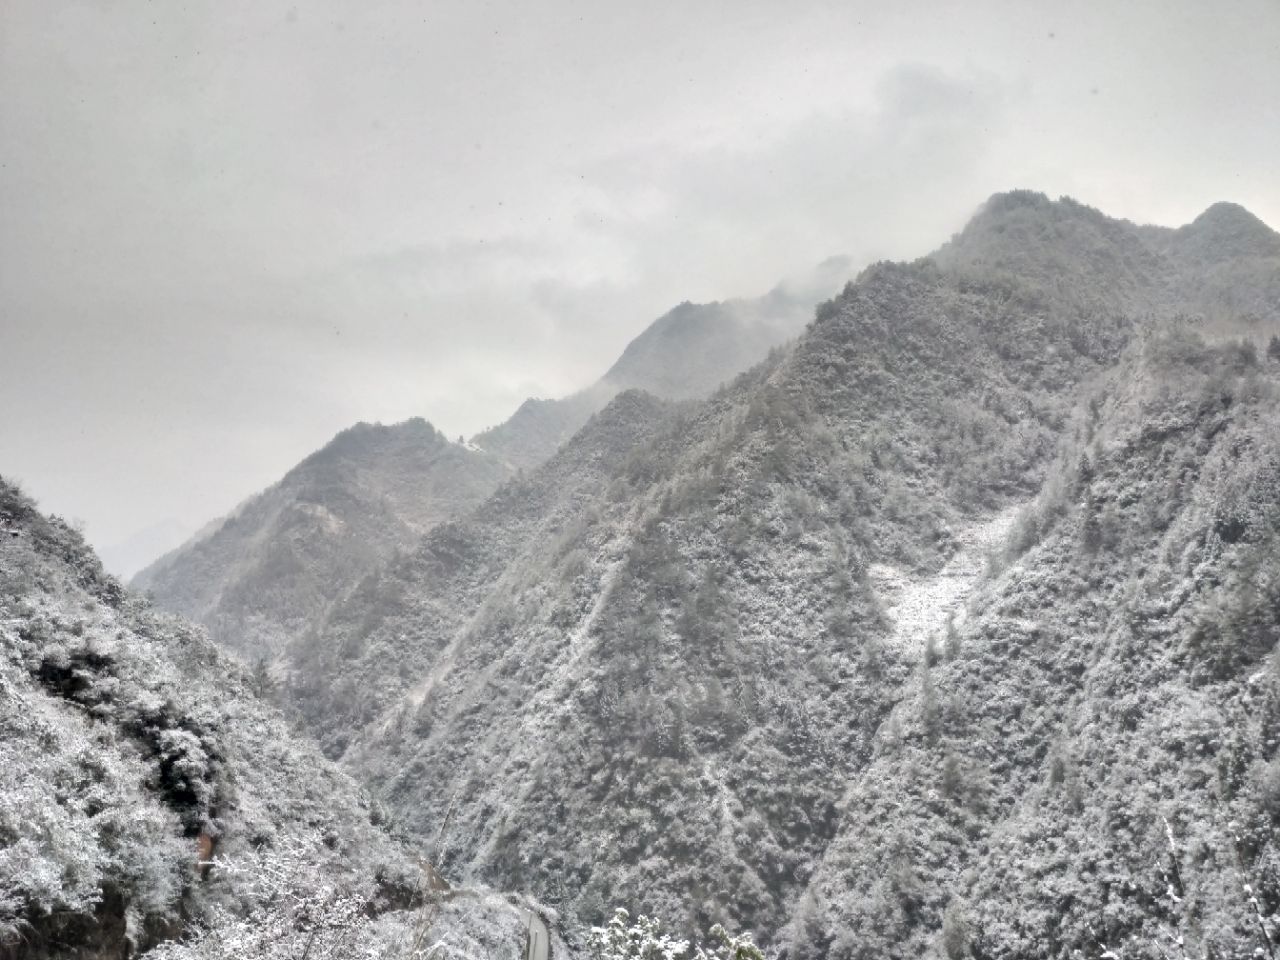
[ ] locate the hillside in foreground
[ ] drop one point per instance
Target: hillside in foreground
(151, 802)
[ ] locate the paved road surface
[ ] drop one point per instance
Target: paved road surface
(539, 938)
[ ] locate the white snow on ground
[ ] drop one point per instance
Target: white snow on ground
(921, 606)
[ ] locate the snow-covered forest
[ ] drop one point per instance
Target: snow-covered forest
(664, 481)
(949, 627)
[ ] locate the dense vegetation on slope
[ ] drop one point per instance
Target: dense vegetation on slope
(132, 752)
(539, 428)
(661, 669)
(397, 624)
(664, 703)
(264, 574)
(661, 702)
(696, 347)
(1088, 762)
(1229, 265)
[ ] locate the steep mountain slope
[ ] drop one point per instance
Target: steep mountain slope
(664, 703)
(733, 659)
(383, 635)
(538, 428)
(660, 703)
(1230, 265)
(265, 572)
(695, 348)
(1067, 250)
(1087, 765)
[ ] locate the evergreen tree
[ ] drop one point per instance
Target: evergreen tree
(1091, 525)
(262, 683)
(955, 932)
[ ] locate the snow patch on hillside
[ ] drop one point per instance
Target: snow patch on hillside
(919, 607)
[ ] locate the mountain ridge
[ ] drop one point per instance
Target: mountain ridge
(667, 668)
(254, 577)
(670, 659)
(264, 574)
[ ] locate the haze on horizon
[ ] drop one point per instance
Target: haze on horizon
(228, 230)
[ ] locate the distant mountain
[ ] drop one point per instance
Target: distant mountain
(948, 630)
(695, 348)
(267, 573)
(539, 427)
(685, 354)
(153, 801)
(261, 575)
(375, 643)
(1229, 264)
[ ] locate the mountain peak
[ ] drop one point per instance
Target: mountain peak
(1226, 222)
(1013, 200)
(1021, 203)
(360, 439)
(1226, 212)
(1229, 230)
(1054, 245)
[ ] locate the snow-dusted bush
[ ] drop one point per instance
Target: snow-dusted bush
(644, 939)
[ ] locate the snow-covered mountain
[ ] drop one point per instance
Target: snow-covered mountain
(259, 576)
(949, 628)
(666, 670)
(685, 354)
(266, 573)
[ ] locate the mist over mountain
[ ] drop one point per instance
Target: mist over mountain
(697, 347)
(257, 577)
(685, 354)
(130, 555)
(454, 506)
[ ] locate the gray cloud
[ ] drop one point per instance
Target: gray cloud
(227, 230)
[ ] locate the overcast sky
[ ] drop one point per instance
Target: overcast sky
(229, 229)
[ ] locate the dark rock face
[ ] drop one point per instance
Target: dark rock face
(107, 934)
